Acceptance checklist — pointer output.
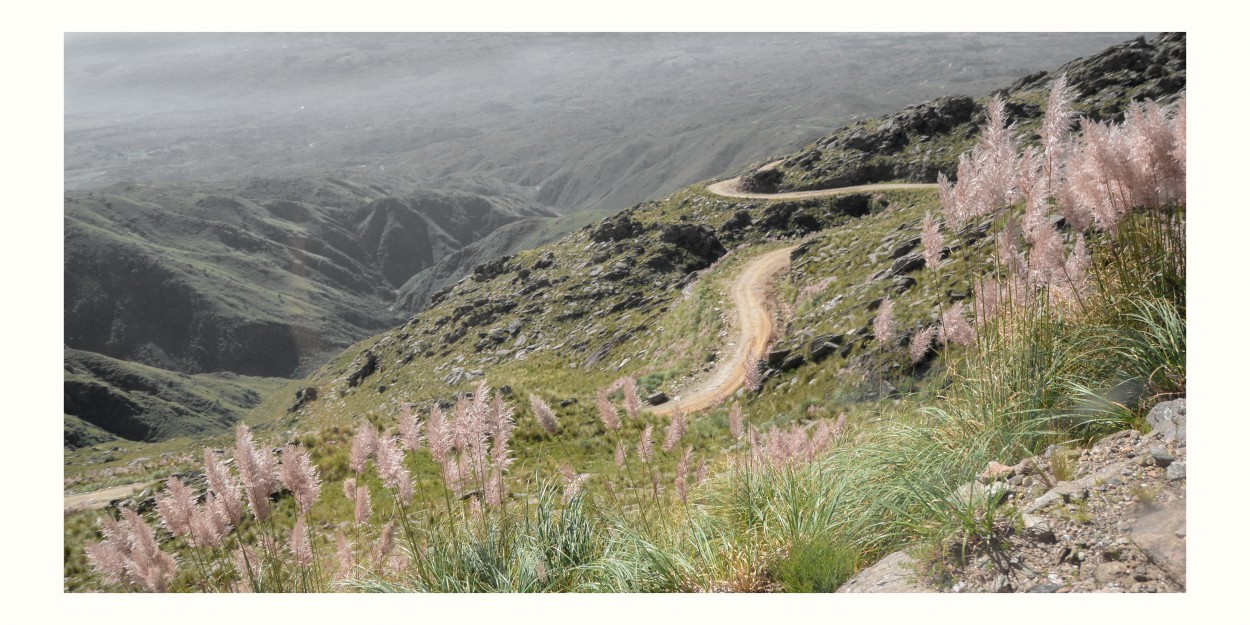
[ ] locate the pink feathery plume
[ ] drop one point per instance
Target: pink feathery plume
(676, 430)
(822, 439)
(572, 481)
(607, 412)
(209, 524)
(700, 474)
(633, 402)
(883, 323)
(109, 556)
(683, 470)
(1034, 186)
(620, 455)
(751, 379)
(345, 556)
(410, 428)
(386, 542)
(364, 506)
(1057, 126)
(1010, 255)
(997, 146)
(1046, 258)
(839, 428)
(955, 328)
(222, 482)
(300, 476)
(987, 300)
(920, 342)
(644, 444)
(1075, 277)
(440, 435)
(931, 239)
(545, 415)
(258, 471)
(148, 566)
(394, 474)
(300, 545)
(364, 445)
(502, 425)
(1178, 144)
(756, 444)
(176, 507)
(248, 566)
(736, 427)
(495, 488)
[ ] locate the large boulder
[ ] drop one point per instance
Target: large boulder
(893, 573)
(699, 241)
(1169, 418)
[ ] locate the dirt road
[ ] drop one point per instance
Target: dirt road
(98, 499)
(733, 188)
(755, 328)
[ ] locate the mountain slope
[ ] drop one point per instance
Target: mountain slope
(621, 297)
(266, 278)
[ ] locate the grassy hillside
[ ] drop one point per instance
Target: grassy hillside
(106, 398)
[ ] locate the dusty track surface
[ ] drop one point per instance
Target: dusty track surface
(733, 188)
(95, 500)
(755, 323)
(755, 329)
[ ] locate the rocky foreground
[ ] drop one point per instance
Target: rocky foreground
(1115, 523)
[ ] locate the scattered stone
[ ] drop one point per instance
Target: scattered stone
(1161, 456)
(1037, 529)
(1176, 471)
(996, 471)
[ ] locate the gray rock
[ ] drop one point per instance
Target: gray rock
(1161, 456)
(1037, 529)
(793, 361)
(777, 356)
(1176, 471)
(1045, 588)
(894, 573)
(980, 494)
(658, 398)
(1168, 418)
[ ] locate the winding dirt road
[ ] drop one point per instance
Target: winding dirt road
(95, 500)
(755, 329)
(750, 290)
(733, 188)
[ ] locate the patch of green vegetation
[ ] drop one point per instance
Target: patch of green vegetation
(816, 566)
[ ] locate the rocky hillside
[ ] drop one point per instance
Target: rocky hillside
(920, 141)
(1107, 518)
